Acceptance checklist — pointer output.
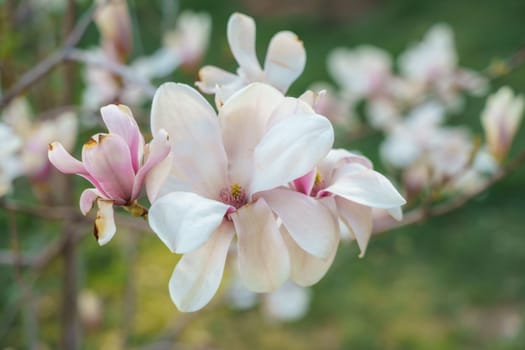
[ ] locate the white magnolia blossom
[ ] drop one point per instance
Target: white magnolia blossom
(285, 61)
(432, 64)
(361, 72)
(288, 303)
(500, 119)
(226, 180)
(36, 135)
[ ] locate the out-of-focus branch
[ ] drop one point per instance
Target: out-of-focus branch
(113, 67)
(30, 316)
(421, 214)
(46, 66)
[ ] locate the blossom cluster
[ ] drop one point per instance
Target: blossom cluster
(255, 177)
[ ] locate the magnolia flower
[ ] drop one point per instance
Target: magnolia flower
(501, 119)
(225, 180)
(288, 303)
(116, 164)
(114, 24)
(407, 141)
(285, 61)
(348, 185)
(10, 165)
(36, 135)
(433, 63)
(362, 72)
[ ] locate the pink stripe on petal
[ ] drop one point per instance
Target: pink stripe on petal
(107, 158)
(305, 183)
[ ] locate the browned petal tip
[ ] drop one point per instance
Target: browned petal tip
(50, 147)
(95, 231)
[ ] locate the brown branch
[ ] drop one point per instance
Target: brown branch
(51, 62)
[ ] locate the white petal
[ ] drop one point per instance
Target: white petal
(105, 227)
(306, 268)
(87, 198)
(198, 274)
(308, 221)
(184, 221)
(285, 60)
(358, 219)
(241, 37)
(210, 77)
(243, 119)
(263, 258)
(195, 138)
(156, 178)
(365, 186)
(396, 213)
(290, 149)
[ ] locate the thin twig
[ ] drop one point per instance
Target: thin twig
(46, 66)
(121, 70)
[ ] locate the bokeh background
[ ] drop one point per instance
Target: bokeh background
(453, 282)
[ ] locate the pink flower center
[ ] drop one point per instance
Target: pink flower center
(234, 196)
(319, 185)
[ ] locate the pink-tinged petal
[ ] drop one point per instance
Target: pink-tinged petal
(358, 219)
(244, 119)
(119, 120)
(308, 221)
(241, 37)
(337, 158)
(305, 183)
(158, 150)
(87, 198)
(307, 269)
(157, 177)
(196, 144)
(184, 221)
(63, 161)
(211, 77)
(285, 60)
(198, 274)
(290, 149)
(107, 159)
(105, 227)
(364, 186)
(263, 258)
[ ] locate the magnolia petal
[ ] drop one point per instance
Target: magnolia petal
(288, 108)
(358, 219)
(210, 77)
(196, 144)
(290, 149)
(306, 269)
(396, 213)
(87, 198)
(158, 150)
(184, 221)
(107, 158)
(263, 258)
(309, 222)
(285, 60)
(119, 120)
(243, 120)
(105, 227)
(156, 178)
(63, 161)
(198, 274)
(305, 183)
(241, 37)
(364, 186)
